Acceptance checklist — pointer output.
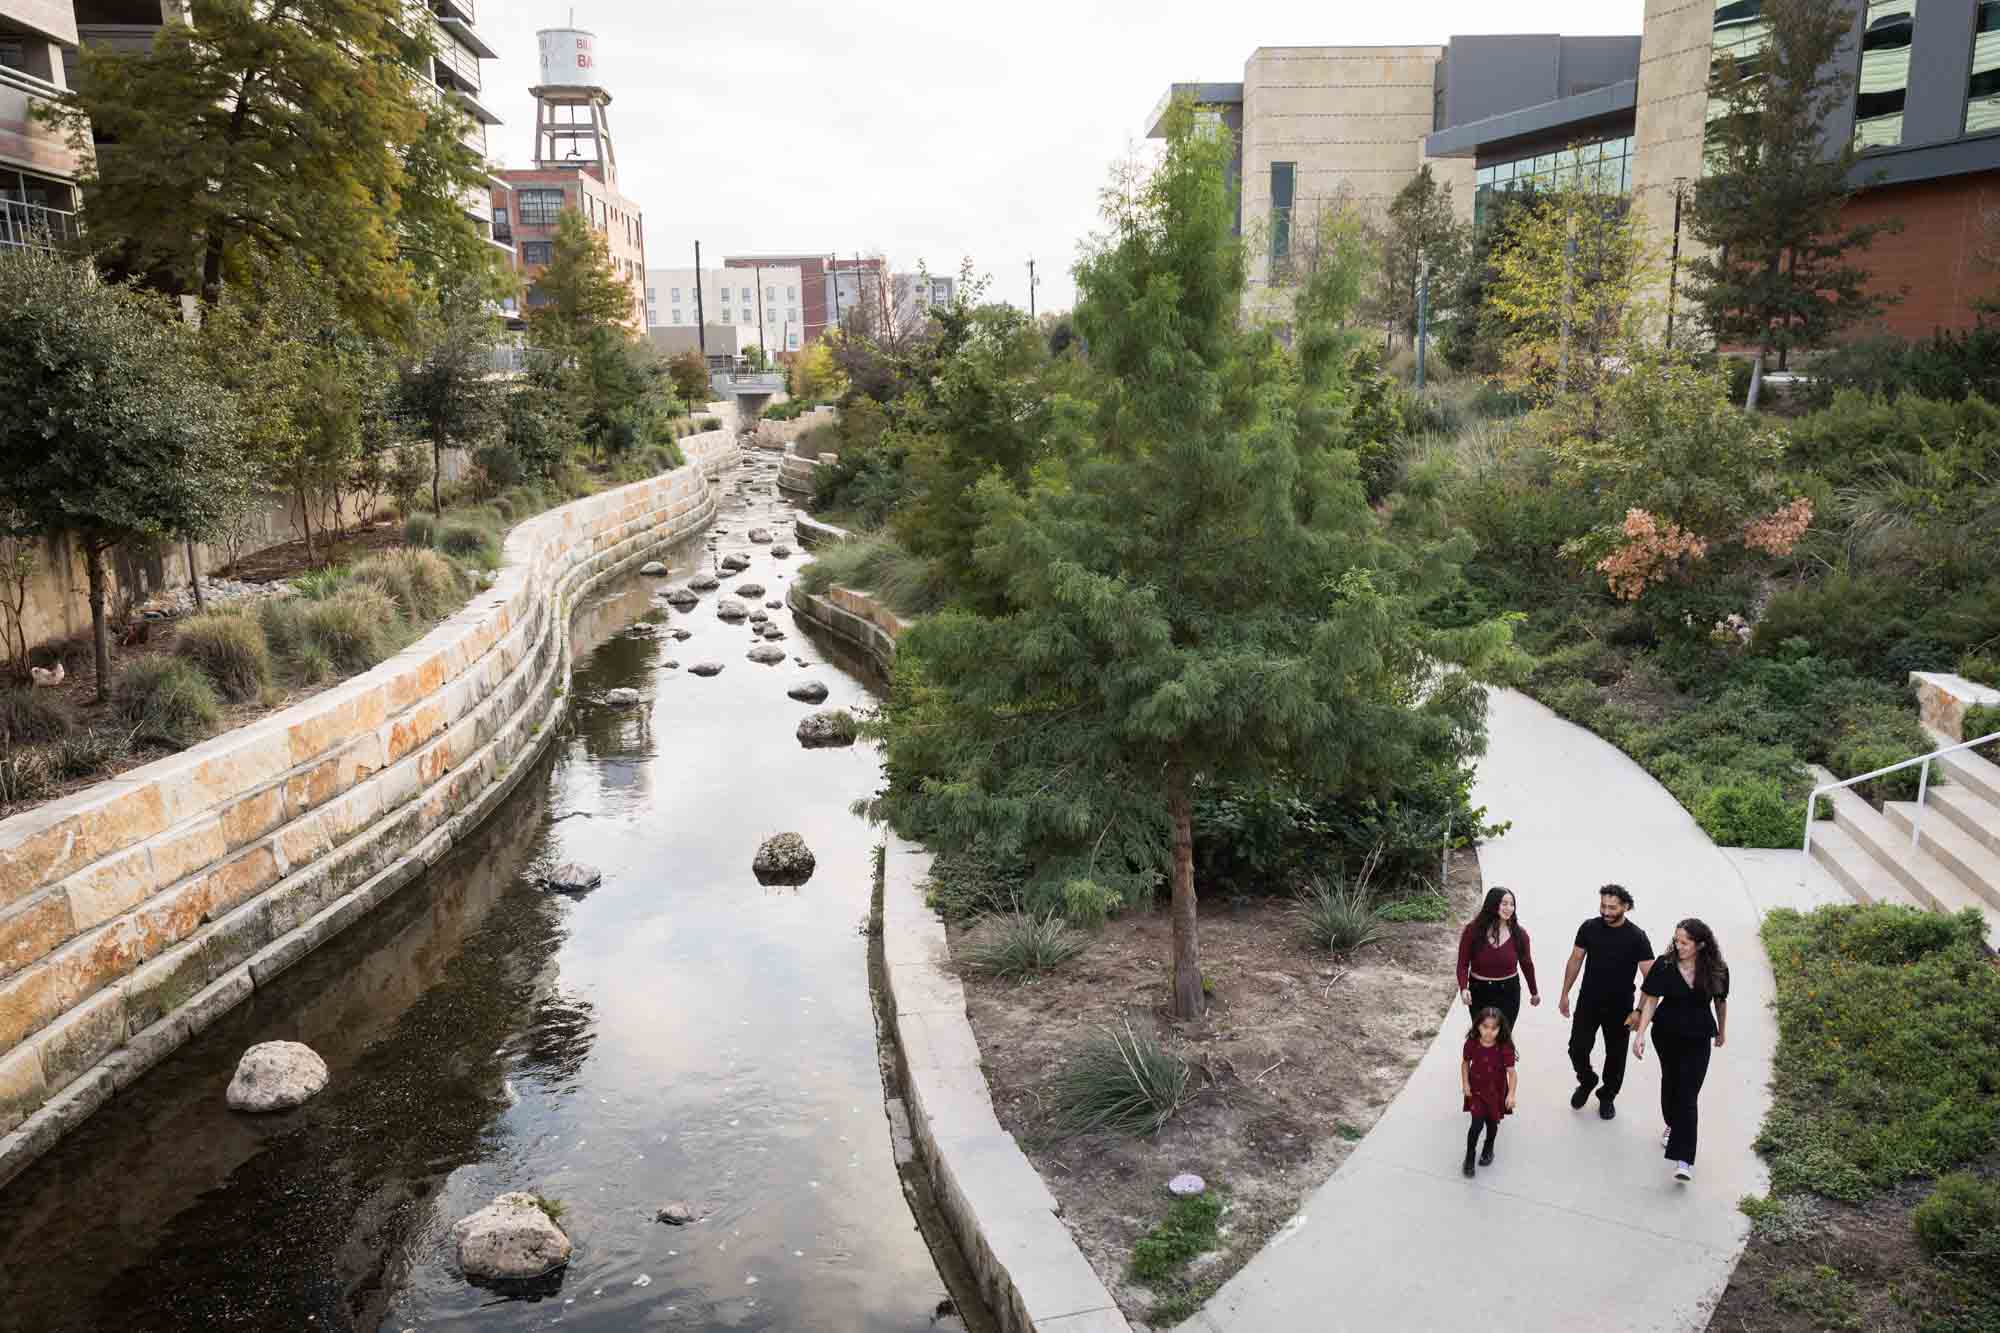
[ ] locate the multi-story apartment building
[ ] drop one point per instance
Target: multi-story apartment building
(455, 71)
(764, 303)
(575, 167)
(1318, 125)
(912, 295)
(38, 172)
(816, 292)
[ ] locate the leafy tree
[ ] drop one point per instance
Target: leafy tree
(1570, 284)
(1475, 334)
(1198, 593)
(1421, 230)
(445, 388)
(1774, 274)
(689, 373)
(110, 427)
(580, 292)
(281, 128)
(814, 378)
(755, 361)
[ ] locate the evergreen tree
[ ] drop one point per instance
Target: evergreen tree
(580, 292)
(1198, 592)
(1768, 211)
(110, 427)
(1422, 231)
(445, 388)
(279, 127)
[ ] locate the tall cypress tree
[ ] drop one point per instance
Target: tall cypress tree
(1198, 592)
(1775, 275)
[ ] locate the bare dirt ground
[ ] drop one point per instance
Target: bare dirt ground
(1298, 1055)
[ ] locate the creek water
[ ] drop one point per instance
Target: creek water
(680, 1033)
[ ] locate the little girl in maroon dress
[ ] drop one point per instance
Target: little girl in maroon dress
(1486, 1077)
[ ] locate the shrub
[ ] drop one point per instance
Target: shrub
(29, 716)
(425, 585)
(469, 540)
(1895, 935)
(1426, 906)
(1123, 1083)
(1338, 916)
(708, 424)
(230, 649)
(1188, 1230)
(347, 632)
(1019, 944)
(166, 700)
(499, 465)
(1981, 720)
(907, 584)
(968, 884)
(1946, 365)
(1752, 813)
(320, 583)
(1960, 1222)
(1085, 902)
(420, 530)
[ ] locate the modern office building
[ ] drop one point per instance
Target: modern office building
(766, 302)
(1319, 125)
(575, 167)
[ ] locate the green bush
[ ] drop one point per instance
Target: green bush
(469, 540)
(426, 586)
(967, 884)
(1981, 720)
(350, 631)
(1188, 1230)
(420, 530)
(907, 584)
(166, 700)
(1752, 813)
(1120, 1083)
(1960, 1222)
(1886, 1028)
(29, 716)
(1018, 944)
(1947, 365)
(708, 424)
(230, 649)
(1427, 906)
(1338, 916)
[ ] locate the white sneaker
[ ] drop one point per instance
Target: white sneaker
(1683, 1171)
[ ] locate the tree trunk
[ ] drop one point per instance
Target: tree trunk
(100, 633)
(1756, 383)
(306, 525)
(1188, 1000)
(194, 579)
(437, 472)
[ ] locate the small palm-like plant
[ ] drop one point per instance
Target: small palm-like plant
(1121, 1082)
(1340, 915)
(1020, 944)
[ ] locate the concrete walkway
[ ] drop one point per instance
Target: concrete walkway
(1578, 1223)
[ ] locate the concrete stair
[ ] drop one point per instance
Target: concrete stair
(1952, 867)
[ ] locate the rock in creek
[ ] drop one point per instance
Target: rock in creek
(731, 609)
(768, 654)
(510, 1239)
(704, 583)
(736, 562)
(773, 633)
(774, 603)
(622, 697)
(572, 878)
(706, 668)
(679, 1213)
(750, 590)
(683, 635)
(761, 536)
(276, 1076)
(682, 598)
(670, 665)
(783, 859)
(820, 730)
(808, 692)
(782, 551)
(654, 568)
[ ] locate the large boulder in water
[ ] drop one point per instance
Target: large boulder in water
(808, 692)
(783, 859)
(731, 609)
(276, 1076)
(768, 654)
(762, 536)
(511, 1239)
(832, 727)
(754, 591)
(706, 668)
(682, 598)
(653, 569)
(704, 583)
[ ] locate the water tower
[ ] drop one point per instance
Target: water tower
(572, 125)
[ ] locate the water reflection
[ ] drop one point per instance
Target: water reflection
(679, 1033)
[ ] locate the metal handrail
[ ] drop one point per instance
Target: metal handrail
(1923, 786)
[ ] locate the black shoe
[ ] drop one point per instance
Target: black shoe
(1486, 1155)
(1468, 1161)
(1605, 1110)
(1582, 1093)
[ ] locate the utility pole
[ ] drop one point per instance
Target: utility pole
(700, 318)
(835, 271)
(1031, 291)
(1674, 273)
(1423, 316)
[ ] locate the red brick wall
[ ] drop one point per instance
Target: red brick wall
(1936, 255)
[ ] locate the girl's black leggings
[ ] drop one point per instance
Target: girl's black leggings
(1479, 1122)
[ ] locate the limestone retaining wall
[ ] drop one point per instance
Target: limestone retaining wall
(134, 913)
(776, 435)
(849, 615)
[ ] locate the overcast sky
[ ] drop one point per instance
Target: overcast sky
(920, 129)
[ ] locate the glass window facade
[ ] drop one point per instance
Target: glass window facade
(1982, 96)
(539, 208)
(1884, 84)
(1284, 177)
(1739, 32)
(1604, 167)
(538, 252)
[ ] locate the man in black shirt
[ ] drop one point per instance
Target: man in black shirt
(1615, 948)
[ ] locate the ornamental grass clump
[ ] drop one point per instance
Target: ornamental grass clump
(1339, 915)
(470, 541)
(1123, 1083)
(1020, 944)
(230, 649)
(425, 585)
(166, 700)
(29, 716)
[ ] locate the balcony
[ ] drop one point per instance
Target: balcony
(31, 226)
(24, 141)
(460, 9)
(456, 66)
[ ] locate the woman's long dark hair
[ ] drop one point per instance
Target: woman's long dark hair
(1506, 1037)
(1487, 923)
(1711, 974)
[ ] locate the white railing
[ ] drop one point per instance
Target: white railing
(24, 226)
(1923, 786)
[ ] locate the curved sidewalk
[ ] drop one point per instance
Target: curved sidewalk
(1579, 1217)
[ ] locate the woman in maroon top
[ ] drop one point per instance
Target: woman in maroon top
(1486, 1076)
(1493, 957)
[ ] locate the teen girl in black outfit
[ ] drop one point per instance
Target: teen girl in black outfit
(1687, 1008)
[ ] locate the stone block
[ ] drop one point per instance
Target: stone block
(164, 984)
(45, 1128)
(22, 1089)
(217, 999)
(1943, 698)
(302, 842)
(144, 1049)
(182, 850)
(250, 817)
(111, 887)
(241, 878)
(80, 1038)
(243, 762)
(402, 735)
(36, 996)
(33, 930)
(234, 939)
(65, 836)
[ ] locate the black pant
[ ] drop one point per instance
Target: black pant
(1589, 1018)
(1683, 1066)
(1502, 995)
(1480, 1122)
